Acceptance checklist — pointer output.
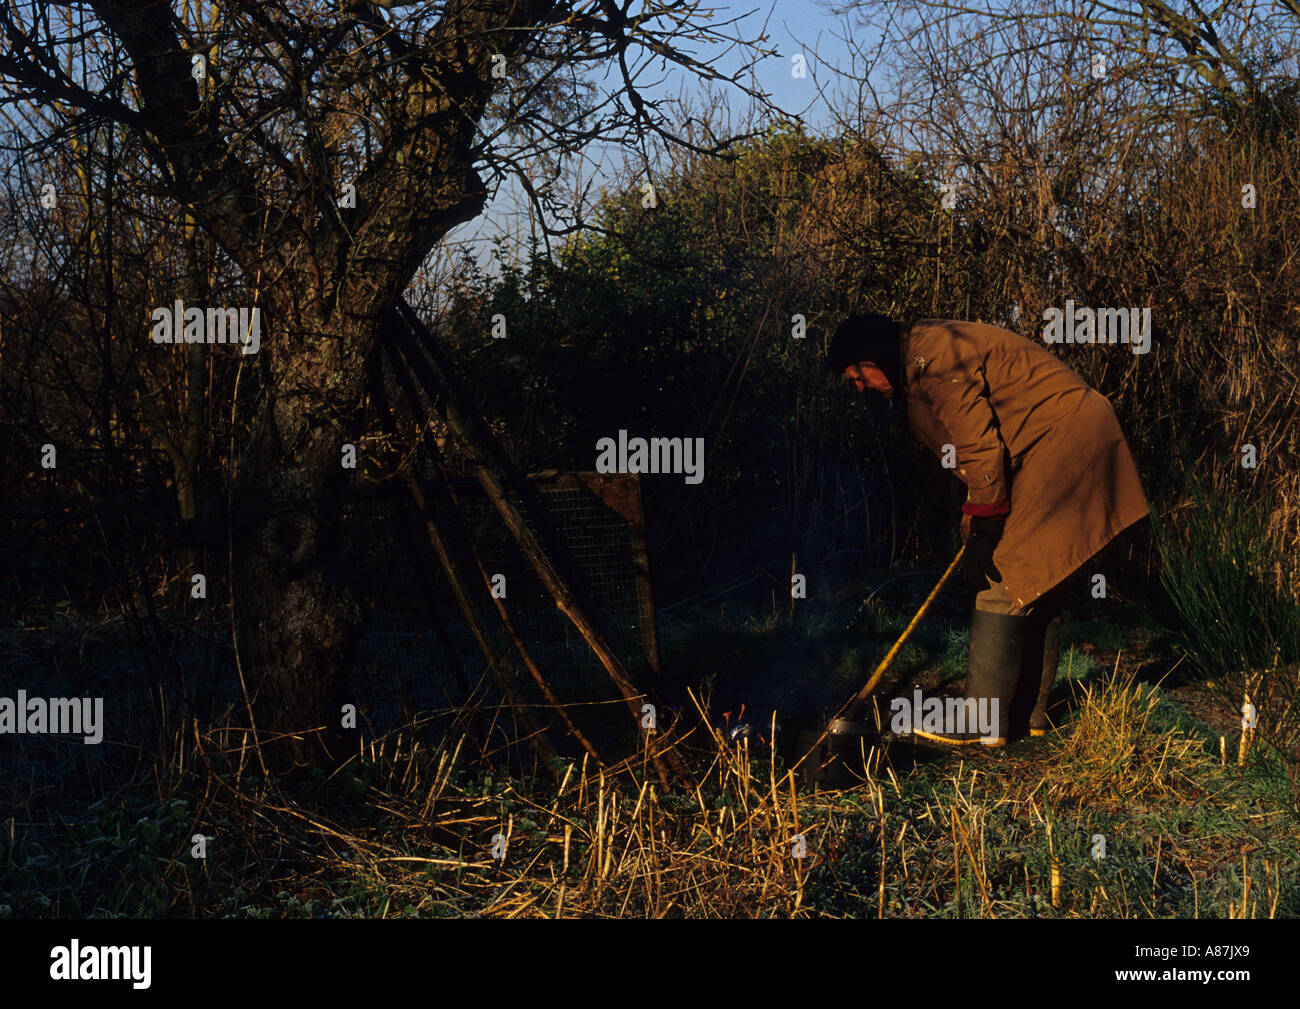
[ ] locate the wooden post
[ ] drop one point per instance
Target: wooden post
(537, 738)
(462, 529)
(480, 444)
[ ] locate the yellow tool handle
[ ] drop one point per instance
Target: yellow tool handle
(907, 632)
(856, 702)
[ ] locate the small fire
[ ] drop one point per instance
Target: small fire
(742, 730)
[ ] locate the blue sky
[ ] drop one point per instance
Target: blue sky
(791, 26)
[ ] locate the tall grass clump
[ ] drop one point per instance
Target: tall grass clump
(1115, 751)
(1223, 573)
(1237, 617)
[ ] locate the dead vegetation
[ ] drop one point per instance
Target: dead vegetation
(407, 830)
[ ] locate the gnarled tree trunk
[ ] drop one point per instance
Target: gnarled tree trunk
(296, 617)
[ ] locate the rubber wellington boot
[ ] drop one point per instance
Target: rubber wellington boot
(1031, 674)
(1047, 675)
(993, 668)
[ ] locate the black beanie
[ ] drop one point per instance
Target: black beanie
(871, 337)
(878, 339)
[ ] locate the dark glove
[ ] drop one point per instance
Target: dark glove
(977, 561)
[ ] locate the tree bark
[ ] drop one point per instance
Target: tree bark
(297, 620)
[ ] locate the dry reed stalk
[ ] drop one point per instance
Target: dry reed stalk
(1245, 888)
(1272, 892)
(1055, 870)
(880, 904)
(956, 864)
(243, 749)
(613, 828)
(600, 825)
(1247, 730)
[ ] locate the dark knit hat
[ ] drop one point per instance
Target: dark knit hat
(871, 337)
(878, 339)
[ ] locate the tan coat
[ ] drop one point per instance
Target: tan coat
(1029, 430)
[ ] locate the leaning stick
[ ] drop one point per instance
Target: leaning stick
(858, 701)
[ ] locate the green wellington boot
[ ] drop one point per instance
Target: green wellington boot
(993, 669)
(1051, 656)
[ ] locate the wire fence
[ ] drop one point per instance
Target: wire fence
(417, 653)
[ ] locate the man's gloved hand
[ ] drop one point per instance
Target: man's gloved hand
(977, 562)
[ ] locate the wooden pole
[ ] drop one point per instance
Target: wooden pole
(480, 444)
(858, 701)
(450, 389)
(462, 529)
(536, 736)
(423, 570)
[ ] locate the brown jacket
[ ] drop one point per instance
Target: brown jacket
(1029, 435)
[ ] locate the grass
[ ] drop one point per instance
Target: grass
(407, 830)
(1235, 615)
(812, 663)
(1233, 606)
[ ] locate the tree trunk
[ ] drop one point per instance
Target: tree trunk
(297, 620)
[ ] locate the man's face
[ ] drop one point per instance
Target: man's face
(865, 375)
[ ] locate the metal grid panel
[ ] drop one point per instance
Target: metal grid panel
(403, 665)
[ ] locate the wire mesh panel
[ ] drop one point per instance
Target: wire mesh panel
(418, 653)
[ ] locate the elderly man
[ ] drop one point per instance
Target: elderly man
(1050, 481)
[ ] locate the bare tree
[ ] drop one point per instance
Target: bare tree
(1044, 121)
(1180, 48)
(327, 146)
